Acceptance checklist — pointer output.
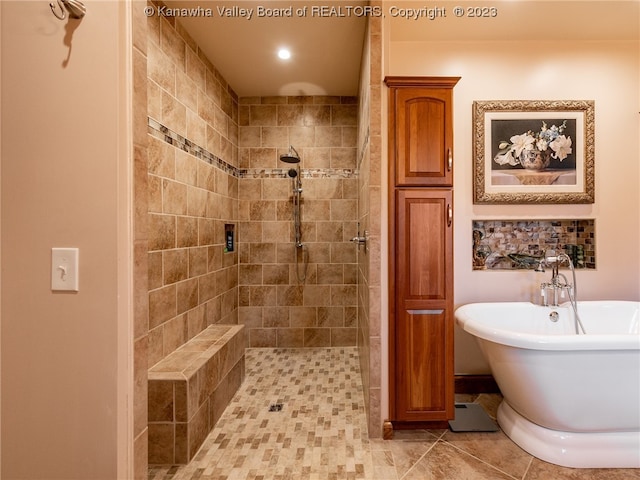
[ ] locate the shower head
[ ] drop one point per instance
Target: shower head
(290, 157)
(293, 173)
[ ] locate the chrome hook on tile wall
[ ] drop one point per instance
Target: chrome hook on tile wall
(75, 8)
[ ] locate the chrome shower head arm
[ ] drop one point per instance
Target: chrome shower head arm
(291, 157)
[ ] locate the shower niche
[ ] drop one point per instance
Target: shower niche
(229, 237)
(519, 244)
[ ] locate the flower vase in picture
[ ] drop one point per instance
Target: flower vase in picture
(534, 150)
(535, 159)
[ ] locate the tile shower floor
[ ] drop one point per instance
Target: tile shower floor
(299, 415)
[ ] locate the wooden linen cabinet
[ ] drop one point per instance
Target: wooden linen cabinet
(421, 363)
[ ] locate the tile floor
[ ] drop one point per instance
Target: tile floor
(300, 416)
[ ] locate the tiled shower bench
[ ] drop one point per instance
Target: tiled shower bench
(190, 388)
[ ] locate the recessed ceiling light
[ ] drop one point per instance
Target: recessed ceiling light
(284, 54)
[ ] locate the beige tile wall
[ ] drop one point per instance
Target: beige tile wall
(370, 203)
(276, 309)
(192, 281)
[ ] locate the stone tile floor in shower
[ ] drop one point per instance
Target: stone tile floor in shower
(320, 433)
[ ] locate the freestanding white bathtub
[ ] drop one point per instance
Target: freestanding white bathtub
(572, 400)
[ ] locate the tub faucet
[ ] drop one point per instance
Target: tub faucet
(558, 284)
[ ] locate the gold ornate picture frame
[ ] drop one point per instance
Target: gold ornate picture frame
(533, 151)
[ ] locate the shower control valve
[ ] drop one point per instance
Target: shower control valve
(360, 240)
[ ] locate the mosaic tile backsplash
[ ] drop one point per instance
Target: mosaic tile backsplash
(518, 244)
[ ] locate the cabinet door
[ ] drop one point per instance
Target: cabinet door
(424, 360)
(423, 136)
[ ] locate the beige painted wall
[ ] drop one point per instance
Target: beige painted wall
(65, 183)
(606, 71)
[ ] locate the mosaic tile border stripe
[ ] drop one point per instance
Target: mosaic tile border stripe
(305, 172)
(161, 132)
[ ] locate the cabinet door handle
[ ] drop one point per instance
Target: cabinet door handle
(450, 160)
(449, 215)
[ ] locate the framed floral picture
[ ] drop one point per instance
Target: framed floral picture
(533, 151)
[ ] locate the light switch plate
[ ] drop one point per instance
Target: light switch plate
(64, 269)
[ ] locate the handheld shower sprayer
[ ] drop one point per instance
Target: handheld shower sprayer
(293, 157)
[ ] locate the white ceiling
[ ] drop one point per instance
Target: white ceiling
(326, 38)
(325, 50)
(519, 20)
